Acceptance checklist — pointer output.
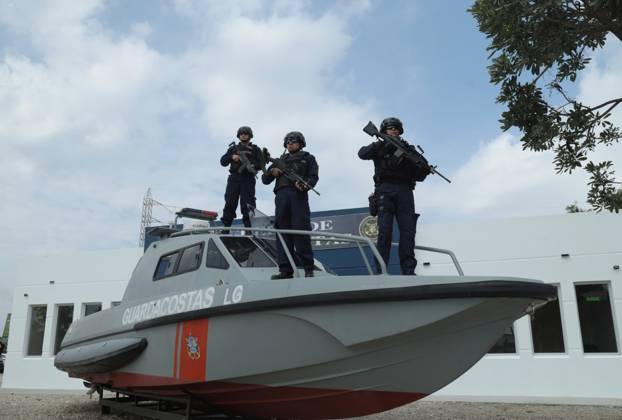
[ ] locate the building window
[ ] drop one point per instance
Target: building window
(91, 308)
(64, 318)
(190, 258)
(595, 318)
(36, 330)
(215, 259)
(546, 328)
(505, 344)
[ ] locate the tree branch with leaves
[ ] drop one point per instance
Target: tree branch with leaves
(537, 48)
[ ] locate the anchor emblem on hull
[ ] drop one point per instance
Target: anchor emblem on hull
(192, 346)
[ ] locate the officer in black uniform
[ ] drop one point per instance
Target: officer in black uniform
(395, 179)
(292, 204)
(240, 184)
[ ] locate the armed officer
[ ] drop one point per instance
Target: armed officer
(241, 181)
(292, 204)
(395, 178)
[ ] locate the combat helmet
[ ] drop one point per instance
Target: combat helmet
(245, 130)
(391, 122)
(295, 135)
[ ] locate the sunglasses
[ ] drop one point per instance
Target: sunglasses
(292, 141)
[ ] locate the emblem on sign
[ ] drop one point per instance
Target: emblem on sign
(369, 227)
(192, 346)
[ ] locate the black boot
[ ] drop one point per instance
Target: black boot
(226, 231)
(282, 276)
(309, 273)
(247, 224)
(225, 224)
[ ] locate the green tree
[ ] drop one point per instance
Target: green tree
(4, 339)
(574, 208)
(537, 48)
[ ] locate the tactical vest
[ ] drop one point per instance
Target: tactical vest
(297, 162)
(250, 151)
(389, 168)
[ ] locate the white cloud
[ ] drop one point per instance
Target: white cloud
(217, 10)
(501, 180)
(141, 29)
(272, 76)
(603, 79)
(90, 118)
(20, 166)
(603, 82)
(38, 17)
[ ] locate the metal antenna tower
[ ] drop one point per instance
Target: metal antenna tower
(145, 219)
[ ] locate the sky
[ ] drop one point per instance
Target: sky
(100, 100)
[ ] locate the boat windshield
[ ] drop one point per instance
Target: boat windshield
(246, 252)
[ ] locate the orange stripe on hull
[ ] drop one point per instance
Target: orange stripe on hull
(193, 352)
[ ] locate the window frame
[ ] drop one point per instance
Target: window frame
(179, 251)
(259, 248)
(155, 272)
(57, 308)
(85, 304)
(29, 330)
(201, 247)
(562, 320)
(614, 324)
(516, 351)
(225, 255)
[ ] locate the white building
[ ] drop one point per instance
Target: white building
(570, 351)
(46, 286)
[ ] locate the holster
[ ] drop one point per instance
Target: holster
(373, 204)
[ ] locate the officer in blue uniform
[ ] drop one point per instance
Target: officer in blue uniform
(292, 204)
(395, 178)
(241, 182)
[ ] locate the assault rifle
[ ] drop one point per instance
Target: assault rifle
(246, 164)
(287, 172)
(403, 151)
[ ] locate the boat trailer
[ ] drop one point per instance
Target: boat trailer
(158, 407)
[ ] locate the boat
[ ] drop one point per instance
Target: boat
(200, 317)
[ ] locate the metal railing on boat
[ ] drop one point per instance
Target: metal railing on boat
(360, 241)
(440, 251)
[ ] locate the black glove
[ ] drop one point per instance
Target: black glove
(389, 148)
(421, 172)
(301, 187)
